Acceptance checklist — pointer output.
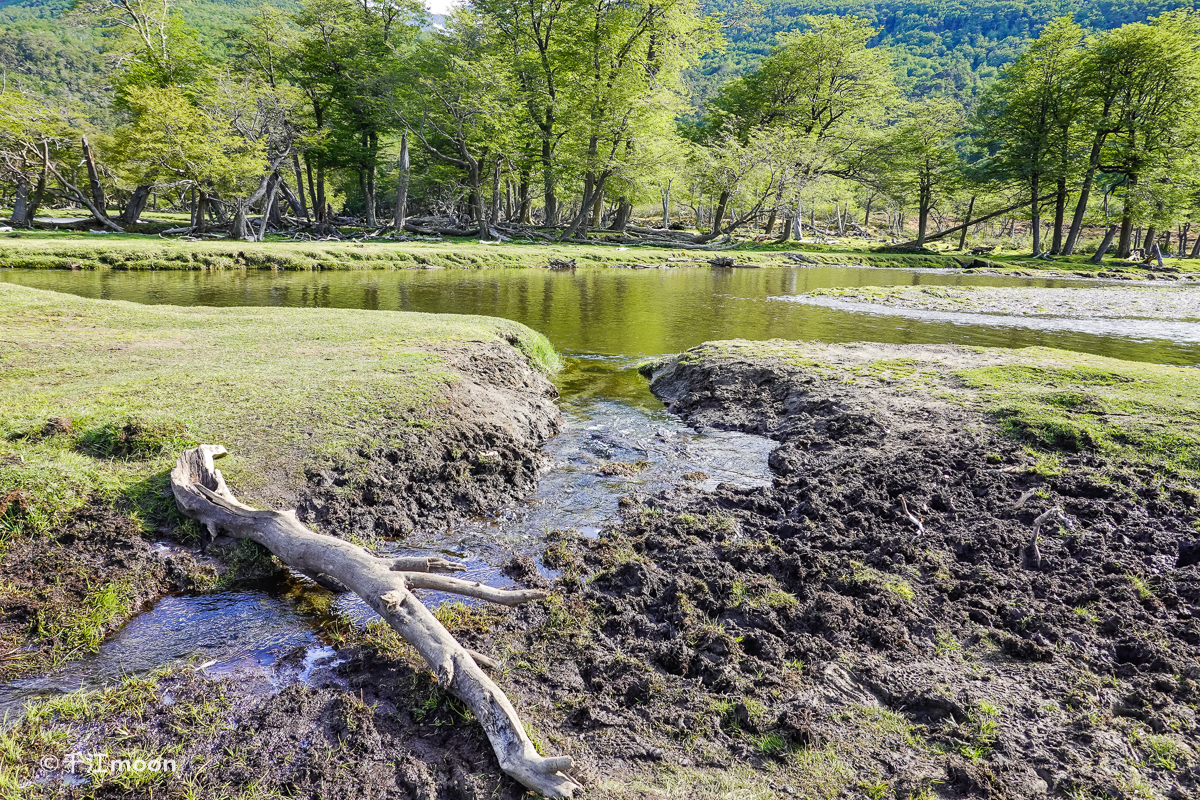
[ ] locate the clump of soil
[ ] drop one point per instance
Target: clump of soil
(623, 469)
(485, 454)
(828, 636)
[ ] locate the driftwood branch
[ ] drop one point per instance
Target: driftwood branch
(385, 585)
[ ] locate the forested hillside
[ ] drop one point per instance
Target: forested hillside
(940, 46)
(41, 52)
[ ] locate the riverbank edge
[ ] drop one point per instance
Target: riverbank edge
(138, 253)
(85, 508)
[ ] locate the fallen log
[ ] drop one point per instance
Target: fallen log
(384, 584)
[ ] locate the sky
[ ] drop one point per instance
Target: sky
(439, 6)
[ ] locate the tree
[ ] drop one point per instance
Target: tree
(821, 88)
(459, 102)
(1029, 118)
(171, 140)
(919, 155)
(1142, 92)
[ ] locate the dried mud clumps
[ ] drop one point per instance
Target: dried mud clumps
(872, 621)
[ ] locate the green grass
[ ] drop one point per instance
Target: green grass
(1143, 414)
(281, 388)
(132, 251)
(61, 250)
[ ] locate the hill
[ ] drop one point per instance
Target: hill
(41, 53)
(941, 46)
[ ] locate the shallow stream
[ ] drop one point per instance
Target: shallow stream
(604, 321)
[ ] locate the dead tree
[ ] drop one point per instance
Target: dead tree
(385, 585)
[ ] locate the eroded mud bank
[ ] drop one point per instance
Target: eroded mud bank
(873, 623)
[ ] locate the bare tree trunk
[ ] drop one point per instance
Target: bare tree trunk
(621, 219)
(1151, 233)
(1104, 245)
(1060, 210)
(524, 202)
(136, 205)
(239, 229)
(292, 200)
(549, 182)
(962, 239)
(20, 204)
(1035, 214)
(666, 204)
(303, 210)
(268, 202)
(201, 223)
(1125, 243)
(321, 204)
(402, 185)
(385, 585)
(94, 185)
(496, 170)
(923, 204)
(719, 213)
(598, 203)
(786, 233)
(368, 200)
(1085, 190)
(1196, 249)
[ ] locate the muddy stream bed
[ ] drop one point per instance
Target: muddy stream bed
(604, 322)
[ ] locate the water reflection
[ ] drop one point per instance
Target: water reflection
(625, 312)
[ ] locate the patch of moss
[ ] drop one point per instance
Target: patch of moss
(1143, 414)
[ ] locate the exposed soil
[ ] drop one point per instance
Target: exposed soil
(942, 656)
(810, 638)
(50, 583)
(484, 454)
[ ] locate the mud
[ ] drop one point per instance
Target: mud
(816, 632)
(49, 603)
(483, 454)
(872, 624)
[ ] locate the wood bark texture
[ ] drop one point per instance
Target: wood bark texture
(384, 584)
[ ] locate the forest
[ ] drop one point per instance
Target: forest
(572, 119)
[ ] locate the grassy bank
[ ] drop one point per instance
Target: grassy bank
(98, 398)
(1058, 403)
(62, 250)
(71, 250)
(134, 384)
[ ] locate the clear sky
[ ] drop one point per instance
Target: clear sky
(439, 6)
